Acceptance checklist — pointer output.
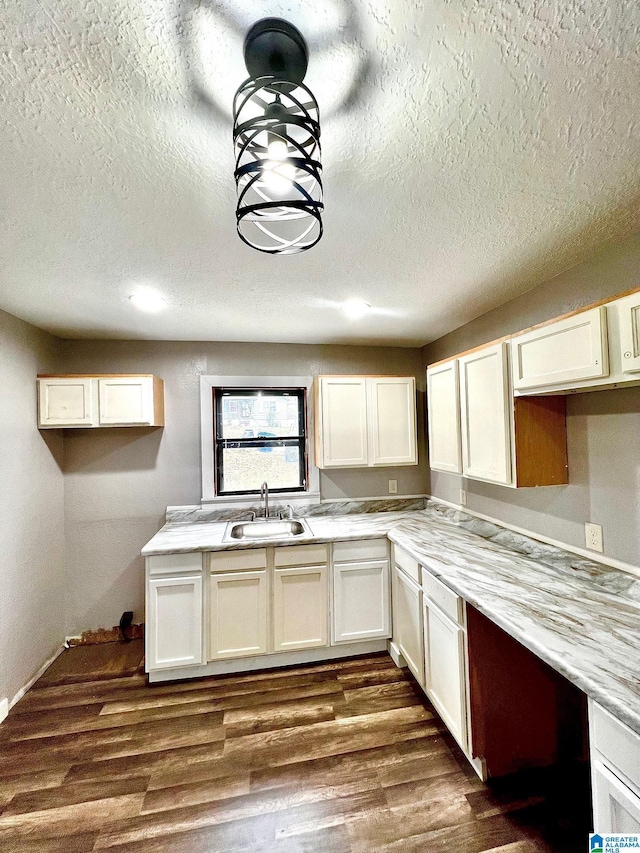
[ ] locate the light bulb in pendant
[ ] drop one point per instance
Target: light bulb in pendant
(278, 174)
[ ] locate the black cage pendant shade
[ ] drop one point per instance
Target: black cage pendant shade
(276, 134)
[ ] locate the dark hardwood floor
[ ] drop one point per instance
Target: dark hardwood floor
(344, 757)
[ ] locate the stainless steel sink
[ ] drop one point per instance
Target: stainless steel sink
(261, 528)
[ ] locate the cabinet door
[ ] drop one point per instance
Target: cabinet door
(126, 400)
(173, 630)
(300, 608)
(407, 622)
(445, 669)
(616, 808)
(573, 349)
(361, 601)
(343, 422)
(238, 614)
(65, 402)
(629, 314)
(486, 414)
(392, 420)
(443, 416)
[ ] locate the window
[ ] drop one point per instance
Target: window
(237, 405)
(259, 434)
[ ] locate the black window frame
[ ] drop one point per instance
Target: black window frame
(220, 443)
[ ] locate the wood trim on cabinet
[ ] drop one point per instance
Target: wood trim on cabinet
(523, 713)
(540, 433)
(568, 314)
(94, 375)
(158, 401)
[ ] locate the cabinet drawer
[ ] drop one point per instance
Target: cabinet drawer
(163, 564)
(238, 561)
(618, 744)
(446, 599)
(362, 550)
(300, 555)
(409, 566)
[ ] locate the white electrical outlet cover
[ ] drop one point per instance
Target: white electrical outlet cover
(593, 537)
(463, 497)
(393, 487)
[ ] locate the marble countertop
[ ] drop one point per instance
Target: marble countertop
(579, 616)
(183, 538)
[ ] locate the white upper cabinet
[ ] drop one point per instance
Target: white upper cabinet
(569, 350)
(67, 401)
(126, 400)
(343, 422)
(485, 414)
(392, 420)
(629, 320)
(366, 421)
(100, 401)
(443, 413)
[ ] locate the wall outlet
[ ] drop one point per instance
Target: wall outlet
(393, 487)
(463, 497)
(593, 536)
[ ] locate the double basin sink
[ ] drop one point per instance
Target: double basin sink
(266, 528)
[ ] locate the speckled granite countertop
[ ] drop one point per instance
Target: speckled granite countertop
(579, 616)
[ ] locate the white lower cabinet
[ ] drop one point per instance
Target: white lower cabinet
(445, 665)
(266, 600)
(173, 633)
(361, 595)
(238, 614)
(407, 619)
(300, 608)
(616, 808)
(615, 773)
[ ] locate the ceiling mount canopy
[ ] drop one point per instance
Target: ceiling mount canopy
(276, 132)
(275, 48)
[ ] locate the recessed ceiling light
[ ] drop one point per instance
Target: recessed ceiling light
(148, 300)
(355, 308)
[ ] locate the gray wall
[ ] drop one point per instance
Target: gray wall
(32, 577)
(118, 482)
(603, 426)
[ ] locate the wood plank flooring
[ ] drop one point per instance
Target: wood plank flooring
(342, 757)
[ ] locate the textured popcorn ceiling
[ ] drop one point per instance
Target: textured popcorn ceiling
(472, 148)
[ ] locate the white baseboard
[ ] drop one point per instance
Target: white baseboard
(4, 709)
(35, 677)
(396, 655)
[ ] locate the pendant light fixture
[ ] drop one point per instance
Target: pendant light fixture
(276, 134)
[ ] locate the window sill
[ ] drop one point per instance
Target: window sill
(277, 499)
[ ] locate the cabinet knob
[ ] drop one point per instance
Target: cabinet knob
(627, 355)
